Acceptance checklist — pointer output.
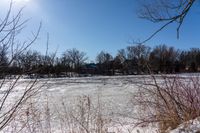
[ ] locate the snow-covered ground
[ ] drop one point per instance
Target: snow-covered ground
(192, 126)
(113, 93)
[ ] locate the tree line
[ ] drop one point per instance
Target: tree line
(135, 59)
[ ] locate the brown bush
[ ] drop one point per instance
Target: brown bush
(167, 101)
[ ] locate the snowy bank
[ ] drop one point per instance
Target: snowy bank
(192, 126)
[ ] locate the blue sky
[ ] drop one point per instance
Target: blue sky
(95, 25)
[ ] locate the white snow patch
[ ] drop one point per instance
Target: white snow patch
(192, 126)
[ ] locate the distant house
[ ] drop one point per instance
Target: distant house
(90, 68)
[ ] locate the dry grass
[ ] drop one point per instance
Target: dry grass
(167, 101)
(84, 117)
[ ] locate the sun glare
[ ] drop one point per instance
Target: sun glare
(21, 0)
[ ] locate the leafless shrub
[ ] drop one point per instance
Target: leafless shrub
(167, 101)
(12, 96)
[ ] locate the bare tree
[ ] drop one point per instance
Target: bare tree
(3, 56)
(29, 59)
(165, 11)
(122, 55)
(75, 57)
(138, 51)
(104, 61)
(103, 57)
(138, 56)
(163, 58)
